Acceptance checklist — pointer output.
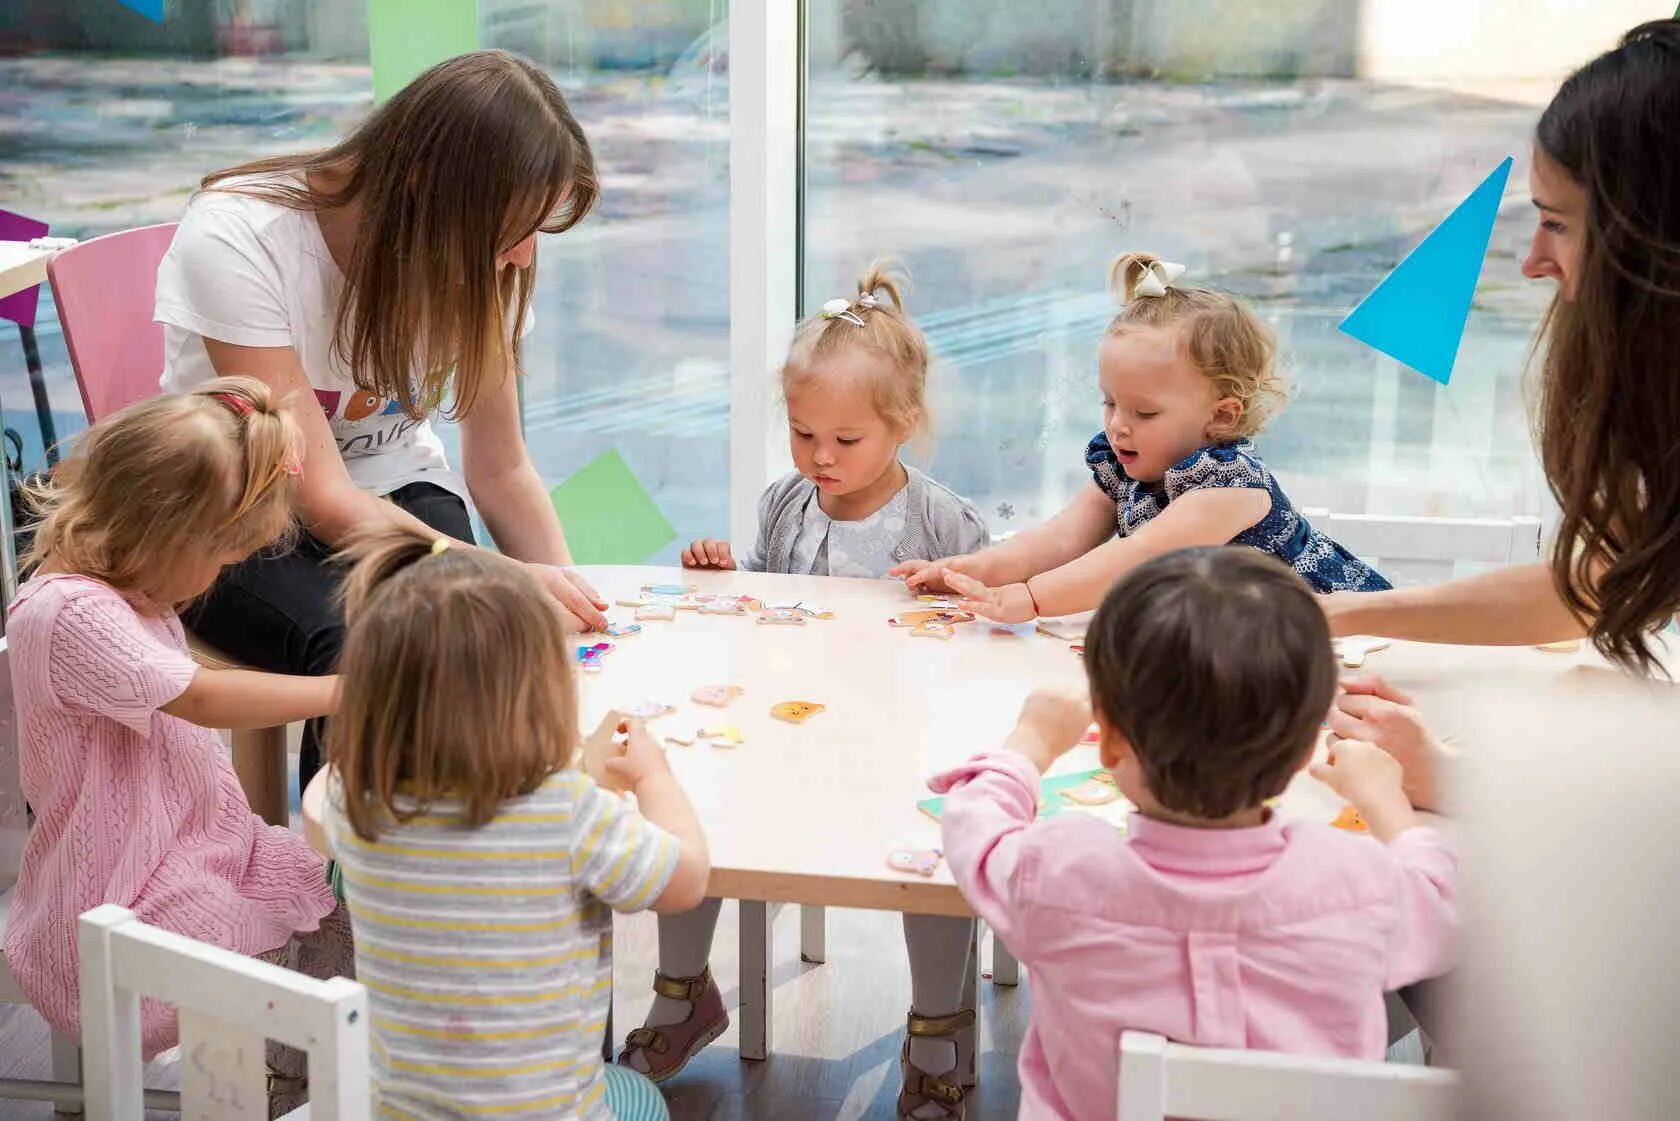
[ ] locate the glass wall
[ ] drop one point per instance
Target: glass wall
(1281, 149)
(110, 120)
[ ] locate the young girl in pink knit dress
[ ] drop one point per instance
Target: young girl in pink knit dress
(134, 798)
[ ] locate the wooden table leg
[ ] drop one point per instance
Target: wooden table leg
(813, 933)
(259, 759)
(1005, 969)
(757, 957)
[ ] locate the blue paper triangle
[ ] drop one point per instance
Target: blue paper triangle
(1417, 314)
(151, 9)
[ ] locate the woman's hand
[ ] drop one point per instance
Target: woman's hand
(709, 552)
(581, 603)
(1011, 603)
(1371, 710)
(1050, 724)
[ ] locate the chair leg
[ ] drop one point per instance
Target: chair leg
(813, 934)
(66, 1068)
(259, 759)
(1005, 969)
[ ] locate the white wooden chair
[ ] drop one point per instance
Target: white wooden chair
(1427, 550)
(1160, 1080)
(229, 1006)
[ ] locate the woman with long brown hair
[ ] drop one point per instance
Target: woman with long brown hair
(1606, 182)
(373, 285)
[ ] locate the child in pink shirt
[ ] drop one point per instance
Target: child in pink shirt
(134, 798)
(1208, 921)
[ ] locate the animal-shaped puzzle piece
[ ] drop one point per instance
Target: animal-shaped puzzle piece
(782, 617)
(1098, 790)
(721, 607)
(656, 613)
(623, 630)
(809, 610)
(722, 735)
(589, 657)
(795, 712)
(717, 696)
(1351, 820)
(1354, 648)
(933, 628)
(919, 862)
(647, 710)
(917, 618)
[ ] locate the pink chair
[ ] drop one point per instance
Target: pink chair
(105, 289)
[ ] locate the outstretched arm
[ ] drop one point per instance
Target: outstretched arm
(1507, 607)
(1080, 526)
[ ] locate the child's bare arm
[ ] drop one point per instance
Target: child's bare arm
(237, 698)
(1203, 517)
(640, 766)
(1081, 525)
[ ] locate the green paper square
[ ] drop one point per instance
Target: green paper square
(609, 518)
(406, 37)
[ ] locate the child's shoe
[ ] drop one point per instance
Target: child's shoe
(931, 1097)
(666, 1049)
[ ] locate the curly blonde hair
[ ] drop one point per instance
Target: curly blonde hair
(900, 392)
(1224, 339)
(214, 470)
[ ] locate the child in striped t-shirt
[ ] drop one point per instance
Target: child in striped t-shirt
(481, 862)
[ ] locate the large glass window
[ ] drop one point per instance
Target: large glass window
(1007, 152)
(112, 119)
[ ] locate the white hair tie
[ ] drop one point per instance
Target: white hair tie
(1157, 277)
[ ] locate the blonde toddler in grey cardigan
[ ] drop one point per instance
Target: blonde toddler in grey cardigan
(855, 383)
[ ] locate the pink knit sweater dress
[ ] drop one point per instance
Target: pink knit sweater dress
(132, 806)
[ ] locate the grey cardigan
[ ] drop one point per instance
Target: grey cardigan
(938, 522)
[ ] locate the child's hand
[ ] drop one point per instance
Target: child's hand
(637, 758)
(1011, 603)
(709, 552)
(1368, 708)
(1369, 777)
(598, 747)
(929, 576)
(1051, 724)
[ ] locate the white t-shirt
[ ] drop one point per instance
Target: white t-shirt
(250, 272)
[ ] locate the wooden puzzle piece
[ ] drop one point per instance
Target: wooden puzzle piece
(809, 610)
(795, 712)
(933, 628)
(919, 862)
(1354, 648)
(782, 617)
(1098, 790)
(1351, 820)
(589, 657)
(717, 696)
(679, 739)
(722, 735)
(917, 618)
(647, 710)
(623, 630)
(656, 612)
(667, 591)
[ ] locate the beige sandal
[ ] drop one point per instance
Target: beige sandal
(668, 1048)
(945, 1091)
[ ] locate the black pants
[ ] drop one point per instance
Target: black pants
(278, 611)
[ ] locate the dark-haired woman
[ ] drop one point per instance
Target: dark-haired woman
(373, 285)
(1606, 183)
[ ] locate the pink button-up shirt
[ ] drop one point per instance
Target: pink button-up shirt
(1282, 937)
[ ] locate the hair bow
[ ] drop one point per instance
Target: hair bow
(1157, 278)
(841, 308)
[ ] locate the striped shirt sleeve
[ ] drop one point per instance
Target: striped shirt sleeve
(619, 856)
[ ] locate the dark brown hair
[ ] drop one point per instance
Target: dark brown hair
(888, 333)
(214, 470)
(1219, 334)
(460, 165)
(1216, 665)
(1609, 402)
(457, 681)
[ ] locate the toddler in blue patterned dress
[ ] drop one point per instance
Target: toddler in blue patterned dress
(1187, 377)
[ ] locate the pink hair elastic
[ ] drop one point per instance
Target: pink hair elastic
(235, 402)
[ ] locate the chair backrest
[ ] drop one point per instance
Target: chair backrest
(229, 1006)
(105, 289)
(1160, 1079)
(1410, 550)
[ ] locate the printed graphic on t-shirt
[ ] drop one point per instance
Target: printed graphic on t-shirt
(364, 423)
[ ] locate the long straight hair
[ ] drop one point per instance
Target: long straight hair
(1608, 417)
(460, 165)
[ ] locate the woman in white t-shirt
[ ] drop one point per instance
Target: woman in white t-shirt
(372, 285)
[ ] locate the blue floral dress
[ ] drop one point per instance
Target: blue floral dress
(1283, 532)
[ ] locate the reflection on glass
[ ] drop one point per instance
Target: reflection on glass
(1008, 156)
